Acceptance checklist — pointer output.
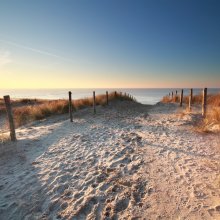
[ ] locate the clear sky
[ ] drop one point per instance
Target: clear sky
(109, 43)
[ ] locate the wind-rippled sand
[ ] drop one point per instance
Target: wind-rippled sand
(129, 161)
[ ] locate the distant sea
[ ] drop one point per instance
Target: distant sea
(145, 96)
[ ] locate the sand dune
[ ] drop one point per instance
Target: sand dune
(129, 161)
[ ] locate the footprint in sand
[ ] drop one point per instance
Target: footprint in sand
(101, 177)
(85, 207)
(121, 205)
(53, 205)
(60, 188)
(217, 208)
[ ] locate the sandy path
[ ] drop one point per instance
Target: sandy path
(182, 167)
(120, 164)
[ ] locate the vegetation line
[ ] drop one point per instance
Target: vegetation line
(28, 110)
(213, 109)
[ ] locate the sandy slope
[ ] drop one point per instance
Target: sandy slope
(128, 162)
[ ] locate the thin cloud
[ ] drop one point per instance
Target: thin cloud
(35, 50)
(5, 58)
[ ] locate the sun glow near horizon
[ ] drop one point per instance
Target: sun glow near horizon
(17, 74)
(11, 81)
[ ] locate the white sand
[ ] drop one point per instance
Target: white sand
(126, 162)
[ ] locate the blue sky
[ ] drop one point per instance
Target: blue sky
(123, 43)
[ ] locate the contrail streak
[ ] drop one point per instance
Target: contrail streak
(34, 50)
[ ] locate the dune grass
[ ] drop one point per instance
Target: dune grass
(2, 105)
(4, 137)
(212, 117)
(41, 109)
(25, 114)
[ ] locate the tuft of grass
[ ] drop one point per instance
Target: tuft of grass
(213, 111)
(214, 100)
(28, 101)
(2, 105)
(82, 103)
(211, 122)
(4, 137)
(25, 114)
(166, 99)
(43, 109)
(213, 116)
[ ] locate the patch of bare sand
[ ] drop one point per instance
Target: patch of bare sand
(129, 161)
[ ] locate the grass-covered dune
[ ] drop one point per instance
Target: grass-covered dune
(213, 108)
(27, 110)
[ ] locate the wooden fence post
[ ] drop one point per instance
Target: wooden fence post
(10, 117)
(106, 97)
(181, 98)
(172, 95)
(204, 102)
(70, 107)
(94, 104)
(191, 94)
(190, 99)
(176, 96)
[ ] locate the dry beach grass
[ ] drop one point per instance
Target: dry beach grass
(212, 118)
(27, 110)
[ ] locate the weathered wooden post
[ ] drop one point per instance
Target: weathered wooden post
(10, 117)
(191, 94)
(176, 96)
(94, 104)
(115, 94)
(70, 107)
(172, 95)
(190, 99)
(106, 97)
(204, 102)
(181, 98)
